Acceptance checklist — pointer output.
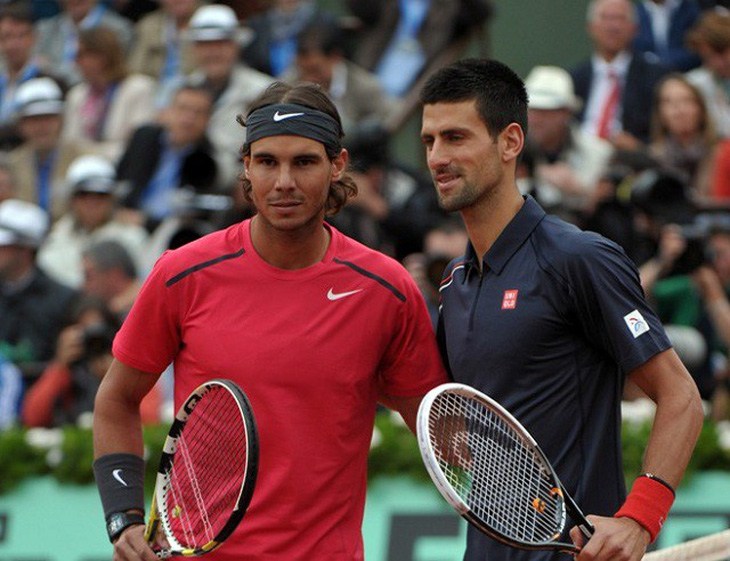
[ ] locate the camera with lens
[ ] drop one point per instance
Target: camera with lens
(662, 196)
(97, 340)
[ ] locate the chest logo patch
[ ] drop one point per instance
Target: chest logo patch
(636, 323)
(509, 300)
(332, 295)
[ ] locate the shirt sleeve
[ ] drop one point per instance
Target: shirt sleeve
(610, 307)
(411, 365)
(150, 336)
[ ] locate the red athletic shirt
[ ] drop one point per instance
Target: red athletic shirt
(313, 349)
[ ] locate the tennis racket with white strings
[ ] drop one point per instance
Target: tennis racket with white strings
(492, 472)
(207, 472)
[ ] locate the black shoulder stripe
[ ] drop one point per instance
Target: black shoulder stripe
(203, 265)
(373, 276)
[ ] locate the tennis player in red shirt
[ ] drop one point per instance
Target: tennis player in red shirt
(315, 327)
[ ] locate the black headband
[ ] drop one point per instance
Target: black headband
(298, 120)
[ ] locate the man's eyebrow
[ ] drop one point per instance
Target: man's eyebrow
(303, 155)
(444, 132)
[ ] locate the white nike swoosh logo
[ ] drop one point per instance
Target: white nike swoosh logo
(336, 296)
(280, 117)
(118, 477)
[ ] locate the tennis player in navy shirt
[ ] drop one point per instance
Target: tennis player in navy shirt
(550, 321)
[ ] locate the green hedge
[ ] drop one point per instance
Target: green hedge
(67, 453)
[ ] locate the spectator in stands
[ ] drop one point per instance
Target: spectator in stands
(105, 108)
(568, 162)
(8, 185)
(32, 305)
(443, 242)
(683, 138)
(17, 43)
(401, 38)
(356, 93)
(11, 393)
(58, 35)
(720, 175)
(159, 50)
(710, 38)
(41, 162)
(110, 275)
(663, 25)
(67, 388)
(394, 207)
(91, 218)
(162, 158)
(616, 84)
(216, 38)
(276, 34)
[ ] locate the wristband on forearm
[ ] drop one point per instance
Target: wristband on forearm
(120, 479)
(648, 503)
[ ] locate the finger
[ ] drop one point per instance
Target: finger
(577, 536)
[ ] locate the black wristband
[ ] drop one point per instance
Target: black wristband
(120, 479)
(659, 480)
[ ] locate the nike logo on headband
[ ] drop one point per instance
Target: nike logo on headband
(280, 117)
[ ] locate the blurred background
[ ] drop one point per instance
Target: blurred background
(119, 140)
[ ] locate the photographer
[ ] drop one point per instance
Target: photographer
(67, 387)
(665, 214)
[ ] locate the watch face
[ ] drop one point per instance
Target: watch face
(116, 523)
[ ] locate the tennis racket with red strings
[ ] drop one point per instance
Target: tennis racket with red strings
(207, 472)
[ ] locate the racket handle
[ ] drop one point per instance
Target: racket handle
(587, 529)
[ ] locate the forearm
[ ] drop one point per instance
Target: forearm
(117, 424)
(673, 437)
(719, 312)
(678, 418)
(117, 419)
(40, 400)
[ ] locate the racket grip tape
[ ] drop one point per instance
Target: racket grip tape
(648, 504)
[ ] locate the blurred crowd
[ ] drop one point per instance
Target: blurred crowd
(119, 141)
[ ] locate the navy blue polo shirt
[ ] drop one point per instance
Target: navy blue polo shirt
(550, 329)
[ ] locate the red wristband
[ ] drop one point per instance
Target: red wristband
(648, 504)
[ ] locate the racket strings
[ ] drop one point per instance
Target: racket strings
(493, 471)
(208, 470)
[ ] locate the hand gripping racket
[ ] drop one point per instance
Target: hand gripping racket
(207, 471)
(492, 472)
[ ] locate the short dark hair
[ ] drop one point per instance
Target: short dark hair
(308, 95)
(500, 95)
(321, 36)
(108, 255)
(19, 12)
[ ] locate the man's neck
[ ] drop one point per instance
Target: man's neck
(290, 250)
(486, 220)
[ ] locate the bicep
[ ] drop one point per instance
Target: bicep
(124, 384)
(664, 376)
(406, 406)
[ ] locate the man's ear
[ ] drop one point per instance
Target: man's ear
(246, 162)
(511, 142)
(339, 165)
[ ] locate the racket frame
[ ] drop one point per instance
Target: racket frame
(448, 492)
(158, 517)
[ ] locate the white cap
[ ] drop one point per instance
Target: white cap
(217, 23)
(22, 223)
(551, 87)
(38, 96)
(91, 174)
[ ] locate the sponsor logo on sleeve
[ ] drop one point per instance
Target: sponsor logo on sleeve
(636, 323)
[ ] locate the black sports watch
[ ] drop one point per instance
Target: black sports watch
(119, 521)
